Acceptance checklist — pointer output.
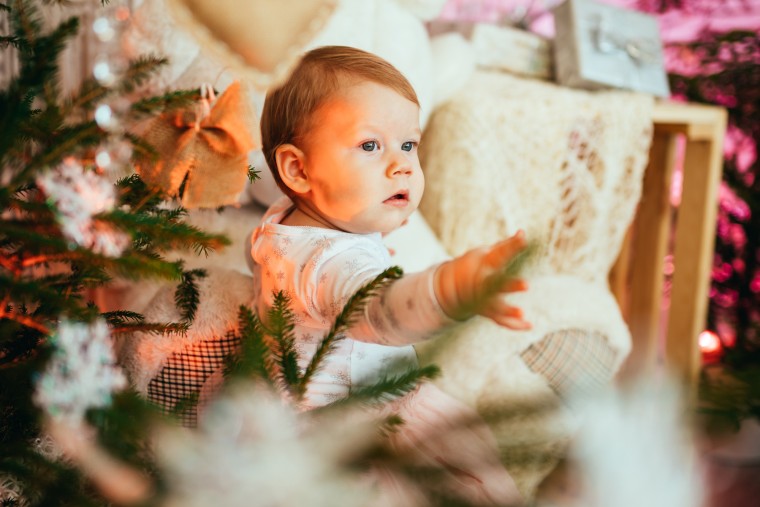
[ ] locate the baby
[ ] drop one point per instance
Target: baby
(341, 138)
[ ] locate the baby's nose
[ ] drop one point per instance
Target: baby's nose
(399, 166)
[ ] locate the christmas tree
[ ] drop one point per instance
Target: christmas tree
(730, 77)
(67, 229)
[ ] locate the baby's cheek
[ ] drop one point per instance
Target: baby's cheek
(419, 183)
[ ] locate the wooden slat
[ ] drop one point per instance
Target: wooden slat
(619, 278)
(693, 253)
(703, 127)
(651, 231)
(697, 121)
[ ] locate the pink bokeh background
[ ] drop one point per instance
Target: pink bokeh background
(676, 25)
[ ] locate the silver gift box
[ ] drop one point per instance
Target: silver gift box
(601, 46)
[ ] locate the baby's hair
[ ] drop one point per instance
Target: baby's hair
(319, 74)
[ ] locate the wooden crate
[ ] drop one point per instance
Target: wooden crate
(637, 277)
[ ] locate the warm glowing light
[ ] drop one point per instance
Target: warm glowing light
(709, 342)
(122, 13)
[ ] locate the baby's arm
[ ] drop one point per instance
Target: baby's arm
(412, 308)
(407, 311)
(473, 284)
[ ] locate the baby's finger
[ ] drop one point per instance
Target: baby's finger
(499, 306)
(513, 323)
(501, 253)
(514, 285)
(507, 315)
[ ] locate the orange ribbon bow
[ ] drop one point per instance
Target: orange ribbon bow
(202, 152)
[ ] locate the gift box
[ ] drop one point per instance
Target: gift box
(601, 46)
(512, 50)
(502, 47)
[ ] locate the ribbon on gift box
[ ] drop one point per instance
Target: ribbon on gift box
(640, 51)
(598, 45)
(202, 150)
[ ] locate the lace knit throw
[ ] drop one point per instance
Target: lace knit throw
(510, 153)
(564, 165)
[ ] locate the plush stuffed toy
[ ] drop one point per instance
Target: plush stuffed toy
(482, 184)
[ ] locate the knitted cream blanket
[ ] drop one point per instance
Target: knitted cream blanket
(566, 166)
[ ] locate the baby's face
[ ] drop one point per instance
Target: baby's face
(361, 159)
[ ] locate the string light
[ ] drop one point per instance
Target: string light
(109, 67)
(710, 345)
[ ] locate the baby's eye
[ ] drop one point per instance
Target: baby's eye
(369, 145)
(408, 146)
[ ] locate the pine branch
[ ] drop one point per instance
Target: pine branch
(38, 75)
(46, 272)
(389, 387)
(138, 265)
(142, 151)
(46, 259)
(354, 306)
(42, 68)
(120, 317)
(121, 429)
(139, 71)
(166, 235)
(45, 237)
(89, 276)
(15, 111)
(171, 101)
(187, 296)
(22, 291)
(91, 92)
(39, 131)
(10, 40)
(18, 342)
(133, 193)
(186, 405)
(280, 326)
(38, 240)
(77, 280)
(27, 201)
(47, 244)
(68, 141)
(162, 328)
(254, 354)
(171, 214)
(730, 393)
(253, 174)
(25, 21)
(25, 320)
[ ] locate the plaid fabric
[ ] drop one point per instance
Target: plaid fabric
(573, 361)
(185, 372)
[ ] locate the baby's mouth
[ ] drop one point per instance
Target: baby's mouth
(398, 199)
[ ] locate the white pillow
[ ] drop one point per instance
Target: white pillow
(416, 246)
(264, 190)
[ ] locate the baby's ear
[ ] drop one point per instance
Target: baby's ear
(290, 165)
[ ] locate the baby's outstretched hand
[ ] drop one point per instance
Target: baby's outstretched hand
(476, 283)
